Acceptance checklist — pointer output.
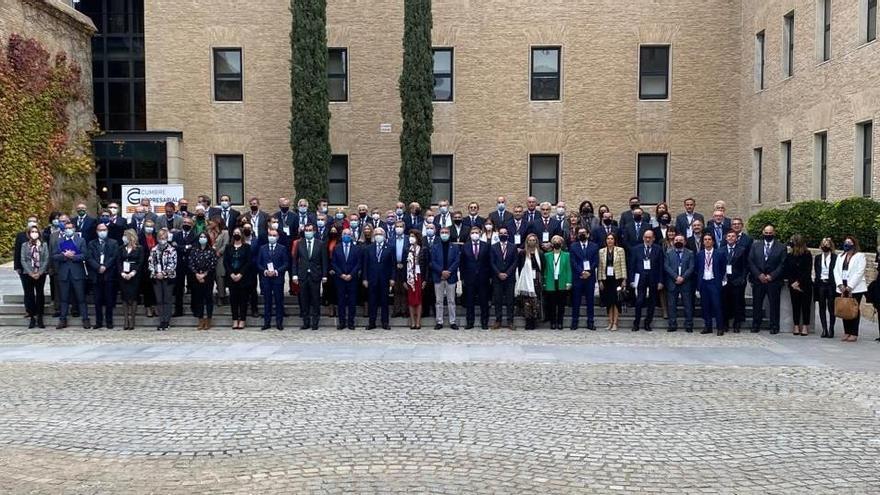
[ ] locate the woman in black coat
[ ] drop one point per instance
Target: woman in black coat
(131, 263)
(825, 287)
(240, 277)
(798, 272)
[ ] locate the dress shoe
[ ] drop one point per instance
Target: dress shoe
(496, 325)
(371, 326)
(386, 326)
(774, 331)
(304, 326)
(454, 326)
(314, 327)
(351, 326)
(689, 330)
(61, 324)
(340, 327)
(672, 329)
(279, 327)
(109, 326)
(469, 326)
(719, 332)
(573, 327)
(484, 326)
(438, 326)
(87, 325)
(265, 327)
(591, 326)
(755, 330)
(635, 328)
(33, 322)
(705, 331)
(648, 328)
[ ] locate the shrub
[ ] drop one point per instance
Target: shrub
(775, 216)
(856, 216)
(811, 219)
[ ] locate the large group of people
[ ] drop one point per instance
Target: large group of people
(537, 260)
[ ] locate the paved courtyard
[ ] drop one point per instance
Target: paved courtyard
(435, 412)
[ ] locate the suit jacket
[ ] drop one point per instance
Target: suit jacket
(551, 228)
(476, 269)
(280, 260)
(467, 222)
(627, 217)
(799, 268)
(672, 265)
(85, 226)
(682, 225)
(413, 222)
(745, 241)
(660, 233)
(458, 233)
(652, 275)
(522, 230)
(738, 262)
(599, 233)
(73, 268)
(310, 268)
(378, 270)
(817, 268)
(392, 244)
(231, 216)
(695, 244)
(297, 222)
(351, 266)
(619, 264)
(503, 264)
(262, 230)
(530, 216)
(93, 260)
(498, 220)
(453, 260)
(184, 243)
(631, 237)
(719, 267)
(579, 255)
(174, 224)
(20, 239)
(774, 265)
(724, 227)
(117, 227)
(24, 258)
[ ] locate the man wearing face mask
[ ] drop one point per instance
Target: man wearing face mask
(627, 216)
(310, 267)
(363, 212)
(679, 271)
(476, 276)
(400, 243)
(137, 220)
(645, 277)
(183, 242)
(71, 273)
(766, 265)
(259, 221)
(182, 208)
(101, 261)
(457, 230)
(444, 216)
(149, 214)
(545, 227)
(399, 211)
(531, 214)
(413, 219)
(357, 232)
(500, 217)
(445, 259)
(117, 224)
(634, 231)
(303, 216)
(504, 263)
(346, 264)
(428, 240)
(272, 262)
(606, 227)
(378, 273)
(376, 219)
(84, 224)
(226, 212)
(584, 263)
(733, 294)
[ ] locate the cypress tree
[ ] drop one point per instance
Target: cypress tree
(310, 112)
(416, 96)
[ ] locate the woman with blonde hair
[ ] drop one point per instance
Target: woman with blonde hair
(612, 277)
(131, 260)
(529, 288)
(798, 272)
(163, 270)
(557, 281)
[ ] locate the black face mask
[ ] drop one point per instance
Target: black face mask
(186, 228)
(457, 221)
(826, 248)
(637, 218)
(236, 237)
(664, 221)
(679, 245)
(248, 232)
(183, 208)
(606, 221)
(255, 209)
(582, 237)
(587, 211)
(556, 245)
(285, 209)
(634, 206)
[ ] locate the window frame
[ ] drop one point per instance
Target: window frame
(865, 157)
(758, 164)
(555, 181)
(786, 161)
(449, 180)
(343, 76)
(788, 30)
(533, 74)
(668, 73)
(218, 180)
(823, 28)
(346, 181)
(821, 163)
(450, 75)
(664, 180)
(215, 78)
(870, 22)
(761, 60)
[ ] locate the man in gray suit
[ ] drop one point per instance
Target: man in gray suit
(679, 269)
(68, 257)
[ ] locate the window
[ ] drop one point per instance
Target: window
(758, 174)
(654, 72)
(545, 73)
(825, 29)
(871, 21)
(442, 74)
(865, 141)
(337, 189)
(544, 177)
(441, 179)
(821, 166)
(759, 60)
(337, 74)
(786, 171)
(651, 186)
(230, 177)
(227, 74)
(788, 49)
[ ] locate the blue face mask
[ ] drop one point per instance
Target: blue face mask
(340, 216)
(847, 247)
(346, 238)
(303, 209)
(354, 224)
(105, 219)
(102, 234)
(310, 235)
(501, 206)
(203, 241)
(321, 223)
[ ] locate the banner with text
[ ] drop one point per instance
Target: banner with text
(158, 194)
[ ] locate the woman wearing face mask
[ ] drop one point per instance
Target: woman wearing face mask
(660, 209)
(612, 275)
(365, 242)
(149, 241)
(849, 273)
(588, 219)
(219, 239)
(571, 232)
(203, 265)
(162, 266)
(247, 235)
(529, 288)
(557, 281)
(340, 219)
(798, 271)
(664, 230)
(34, 257)
(825, 288)
(240, 277)
(602, 210)
(131, 262)
(489, 234)
(416, 268)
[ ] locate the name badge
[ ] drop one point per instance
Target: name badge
(586, 266)
(646, 264)
(609, 271)
(126, 266)
(845, 274)
(545, 237)
(270, 267)
(730, 269)
(517, 239)
(690, 232)
(286, 230)
(102, 260)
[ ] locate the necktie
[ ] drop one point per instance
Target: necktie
(766, 250)
(345, 249)
(729, 252)
(379, 253)
(309, 245)
(302, 219)
(546, 223)
(504, 251)
(476, 249)
(607, 230)
(225, 216)
(638, 229)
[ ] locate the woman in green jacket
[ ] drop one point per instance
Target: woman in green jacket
(557, 281)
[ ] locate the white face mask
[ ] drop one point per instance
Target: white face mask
(412, 240)
(475, 237)
(35, 235)
(398, 230)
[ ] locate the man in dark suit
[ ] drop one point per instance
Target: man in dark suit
(473, 219)
(606, 226)
(258, 219)
(684, 220)
(503, 261)
(183, 241)
(518, 229)
(346, 263)
(718, 228)
(646, 277)
(531, 213)
(101, 260)
(476, 276)
(303, 217)
(378, 273)
(584, 263)
(71, 273)
(545, 227)
(170, 220)
(710, 265)
(634, 230)
(445, 260)
(398, 241)
(117, 224)
(414, 219)
(627, 216)
(693, 242)
(137, 220)
(149, 214)
(766, 265)
(272, 262)
(84, 223)
(310, 267)
(227, 214)
(287, 220)
(500, 217)
(743, 240)
(733, 294)
(679, 271)
(458, 231)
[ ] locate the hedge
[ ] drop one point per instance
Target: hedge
(816, 220)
